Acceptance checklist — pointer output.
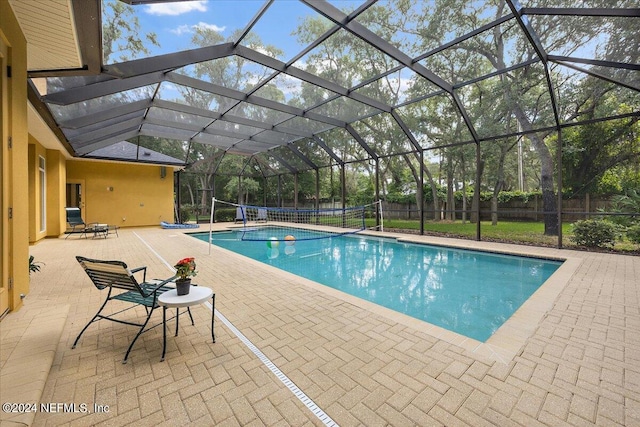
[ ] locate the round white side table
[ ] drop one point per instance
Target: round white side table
(170, 299)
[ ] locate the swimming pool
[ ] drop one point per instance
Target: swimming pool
(468, 292)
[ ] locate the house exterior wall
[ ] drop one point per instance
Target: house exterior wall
(126, 195)
(140, 196)
(35, 191)
(15, 180)
(56, 193)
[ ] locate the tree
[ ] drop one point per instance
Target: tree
(519, 94)
(121, 33)
(208, 160)
(593, 150)
(242, 187)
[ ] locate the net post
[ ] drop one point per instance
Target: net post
(381, 216)
(213, 205)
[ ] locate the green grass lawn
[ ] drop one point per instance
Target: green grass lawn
(506, 231)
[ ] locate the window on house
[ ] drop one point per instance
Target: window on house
(43, 193)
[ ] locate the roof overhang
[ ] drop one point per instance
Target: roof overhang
(63, 36)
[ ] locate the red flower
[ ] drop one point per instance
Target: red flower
(186, 267)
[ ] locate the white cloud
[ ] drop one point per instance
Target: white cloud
(182, 29)
(178, 8)
(190, 29)
(212, 27)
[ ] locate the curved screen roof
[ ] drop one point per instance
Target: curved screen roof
(299, 85)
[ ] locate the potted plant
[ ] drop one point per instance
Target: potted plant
(185, 269)
(34, 266)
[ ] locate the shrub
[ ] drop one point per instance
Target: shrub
(594, 233)
(509, 196)
(633, 234)
(225, 214)
(185, 213)
(628, 203)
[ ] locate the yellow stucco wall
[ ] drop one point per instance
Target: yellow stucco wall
(56, 193)
(140, 197)
(121, 194)
(35, 191)
(15, 178)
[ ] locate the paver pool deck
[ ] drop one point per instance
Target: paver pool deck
(571, 356)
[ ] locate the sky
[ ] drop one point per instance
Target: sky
(174, 23)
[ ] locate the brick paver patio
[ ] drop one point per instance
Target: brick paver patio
(576, 362)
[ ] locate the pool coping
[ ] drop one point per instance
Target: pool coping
(507, 342)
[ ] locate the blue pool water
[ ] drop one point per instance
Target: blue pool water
(469, 292)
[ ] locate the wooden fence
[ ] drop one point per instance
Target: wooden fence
(513, 210)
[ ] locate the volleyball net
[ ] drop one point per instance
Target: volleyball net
(262, 223)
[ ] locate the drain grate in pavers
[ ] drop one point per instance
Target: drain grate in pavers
(306, 401)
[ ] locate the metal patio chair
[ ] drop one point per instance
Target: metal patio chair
(116, 276)
(75, 221)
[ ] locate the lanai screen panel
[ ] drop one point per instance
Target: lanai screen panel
(294, 162)
(573, 107)
(606, 46)
(227, 127)
(149, 146)
(435, 122)
(588, 36)
(194, 97)
(344, 145)
(353, 74)
(57, 84)
(216, 140)
(205, 157)
(305, 125)
(177, 117)
(272, 165)
(293, 91)
(297, 24)
(345, 60)
(346, 109)
(98, 104)
(262, 114)
(396, 87)
(73, 132)
(498, 105)
(500, 47)
(233, 72)
(384, 135)
(314, 152)
(177, 33)
(401, 29)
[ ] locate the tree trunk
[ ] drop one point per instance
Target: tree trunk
(464, 201)
(463, 171)
(475, 203)
(498, 187)
(494, 204)
(204, 180)
(434, 194)
(549, 204)
(450, 214)
(193, 201)
(416, 178)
